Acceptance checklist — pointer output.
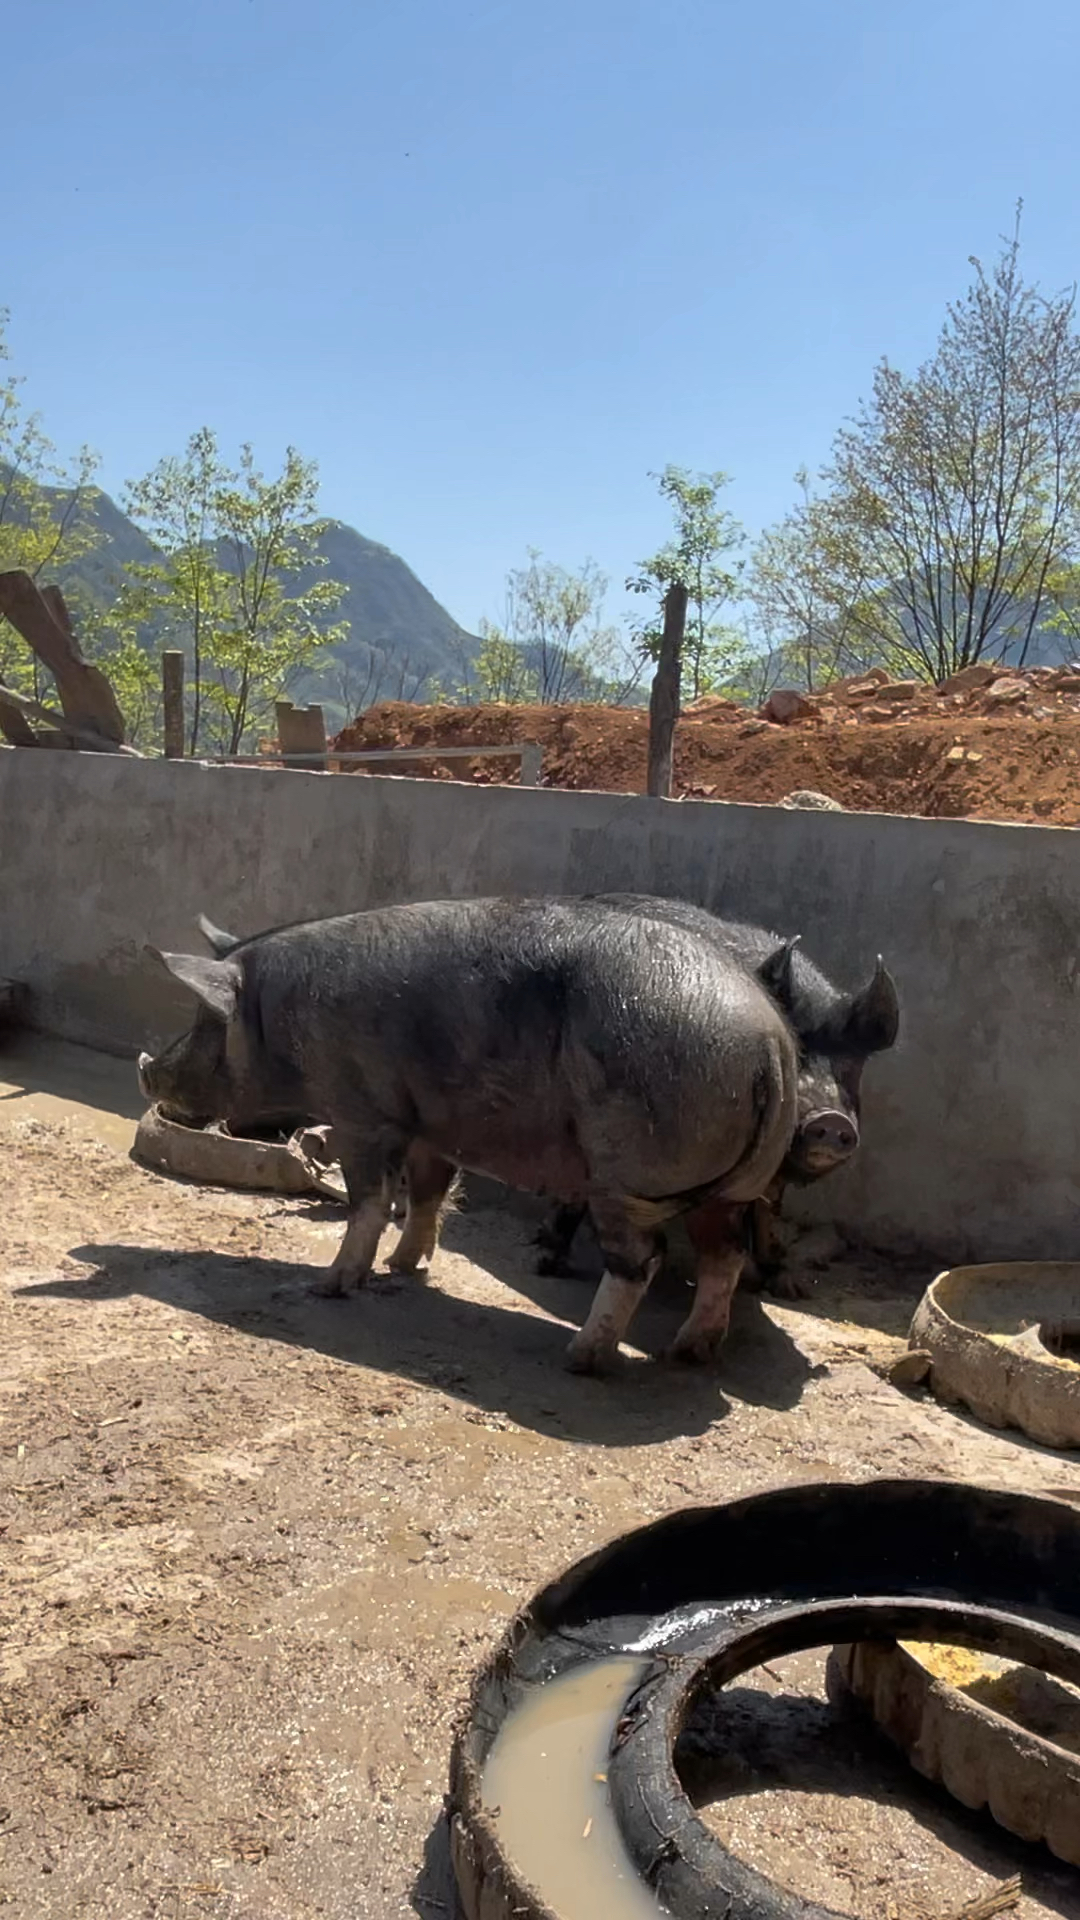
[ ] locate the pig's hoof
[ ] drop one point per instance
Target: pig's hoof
(585, 1357)
(697, 1349)
(789, 1286)
(337, 1283)
(409, 1263)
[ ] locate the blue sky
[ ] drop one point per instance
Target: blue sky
(490, 262)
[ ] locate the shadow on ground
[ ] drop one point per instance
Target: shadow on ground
(33, 1064)
(435, 1889)
(490, 1353)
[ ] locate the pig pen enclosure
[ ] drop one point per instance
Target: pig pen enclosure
(255, 1544)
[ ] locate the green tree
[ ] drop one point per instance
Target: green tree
(499, 672)
(114, 641)
(44, 523)
(807, 601)
(275, 625)
(182, 597)
(696, 557)
(951, 506)
(236, 585)
(553, 645)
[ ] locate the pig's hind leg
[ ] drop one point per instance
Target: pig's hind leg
(632, 1257)
(429, 1178)
(718, 1236)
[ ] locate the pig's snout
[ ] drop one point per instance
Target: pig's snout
(828, 1138)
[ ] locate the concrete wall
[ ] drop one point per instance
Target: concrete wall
(972, 1126)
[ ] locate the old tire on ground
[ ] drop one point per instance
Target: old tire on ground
(980, 1326)
(708, 1572)
(692, 1873)
(983, 1757)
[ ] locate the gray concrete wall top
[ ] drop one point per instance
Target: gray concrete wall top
(972, 1126)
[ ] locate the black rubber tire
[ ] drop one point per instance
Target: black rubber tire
(754, 1561)
(693, 1875)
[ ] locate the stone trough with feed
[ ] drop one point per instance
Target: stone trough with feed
(300, 1162)
(1004, 1341)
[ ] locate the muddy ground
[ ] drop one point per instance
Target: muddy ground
(255, 1542)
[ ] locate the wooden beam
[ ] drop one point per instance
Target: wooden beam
(40, 615)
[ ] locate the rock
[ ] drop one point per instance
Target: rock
(806, 797)
(969, 679)
(752, 727)
(973, 759)
(785, 705)
(954, 756)
(862, 682)
(1006, 693)
(899, 690)
(861, 690)
(911, 1369)
(712, 703)
(877, 714)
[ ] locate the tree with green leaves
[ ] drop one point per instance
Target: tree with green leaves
(44, 525)
(181, 596)
(553, 645)
(698, 557)
(807, 602)
(236, 585)
(949, 524)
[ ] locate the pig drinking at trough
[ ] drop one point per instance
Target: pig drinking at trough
(560, 1046)
(835, 1033)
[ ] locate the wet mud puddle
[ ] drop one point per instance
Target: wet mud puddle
(545, 1786)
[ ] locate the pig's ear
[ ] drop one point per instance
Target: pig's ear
(775, 972)
(216, 938)
(215, 982)
(872, 1020)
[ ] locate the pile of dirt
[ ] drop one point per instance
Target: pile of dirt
(987, 744)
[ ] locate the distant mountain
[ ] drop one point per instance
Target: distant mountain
(401, 643)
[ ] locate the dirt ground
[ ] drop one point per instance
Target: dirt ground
(1020, 765)
(256, 1542)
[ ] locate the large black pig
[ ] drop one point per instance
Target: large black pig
(836, 1033)
(562, 1046)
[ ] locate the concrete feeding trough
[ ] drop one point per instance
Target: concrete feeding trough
(1004, 1341)
(565, 1800)
(212, 1156)
(992, 1732)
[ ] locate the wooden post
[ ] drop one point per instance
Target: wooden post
(666, 693)
(172, 697)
